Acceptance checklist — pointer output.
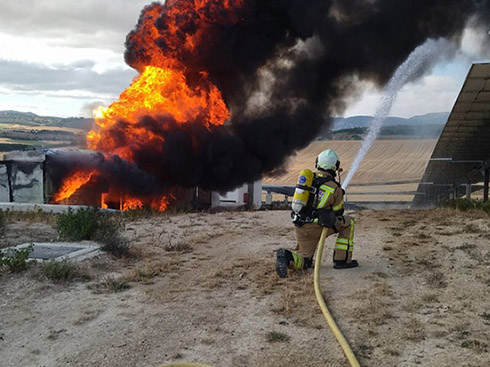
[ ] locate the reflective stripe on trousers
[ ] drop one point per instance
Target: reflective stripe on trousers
(298, 260)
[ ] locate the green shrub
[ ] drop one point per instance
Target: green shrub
(109, 235)
(79, 225)
(115, 245)
(59, 271)
(92, 224)
(16, 261)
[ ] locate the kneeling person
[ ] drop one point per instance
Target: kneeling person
(319, 202)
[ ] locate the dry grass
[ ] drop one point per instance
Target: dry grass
(476, 345)
(412, 305)
(31, 216)
(150, 269)
(288, 302)
(417, 302)
(467, 247)
(430, 298)
(409, 223)
(374, 305)
(364, 350)
(392, 352)
(87, 315)
(165, 292)
(436, 279)
(414, 330)
(423, 237)
(177, 246)
(274, 337)
(213, 280)
(297, 298)
(472, 228)
(110, 285)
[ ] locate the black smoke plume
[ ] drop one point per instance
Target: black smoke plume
(310, 50)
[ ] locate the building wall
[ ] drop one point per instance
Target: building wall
(26, 181)
(4, 184)
(24, 177)
(240, 196)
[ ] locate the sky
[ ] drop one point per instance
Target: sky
(63, 58)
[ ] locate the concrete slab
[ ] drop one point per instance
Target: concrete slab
(58, 251)
(47, 208)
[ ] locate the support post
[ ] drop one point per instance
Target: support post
(268, 198)
(485, 184)
(251, 193)
(468, 191)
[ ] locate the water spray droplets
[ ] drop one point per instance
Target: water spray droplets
(416, 64)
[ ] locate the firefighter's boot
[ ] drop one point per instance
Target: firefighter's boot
(342, 264)
(308, 263)
(286, 259)
(283, 259)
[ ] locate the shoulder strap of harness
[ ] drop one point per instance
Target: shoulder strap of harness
(318, 180)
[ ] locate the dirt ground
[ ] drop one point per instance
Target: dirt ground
(202, 288)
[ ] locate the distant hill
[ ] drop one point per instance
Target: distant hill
(427, 131)
(342, 123)
(31, 119)
(339, 123)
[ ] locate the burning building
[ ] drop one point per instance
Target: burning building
(228, 89)
(31, 177)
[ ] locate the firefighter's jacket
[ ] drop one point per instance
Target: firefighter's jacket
(325, 204)
(330, 195)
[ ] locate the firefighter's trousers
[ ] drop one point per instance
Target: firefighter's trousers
(308, 235)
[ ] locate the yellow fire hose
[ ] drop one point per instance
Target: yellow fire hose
(323, 306)
(326, 313)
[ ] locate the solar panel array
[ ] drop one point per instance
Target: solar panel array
(463, 149)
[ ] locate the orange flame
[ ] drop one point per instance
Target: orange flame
(131, 204)
(160, 204)
(156, 91)
(162, 88)
(103, 200)
(72, 183)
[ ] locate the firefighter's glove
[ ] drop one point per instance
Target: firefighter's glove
(327, 218)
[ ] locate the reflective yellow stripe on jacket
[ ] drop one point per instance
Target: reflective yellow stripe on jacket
(338, 206)
(327, 192)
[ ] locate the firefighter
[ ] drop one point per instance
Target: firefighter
(319, 202)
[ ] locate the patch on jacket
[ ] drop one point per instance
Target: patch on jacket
(320, 195)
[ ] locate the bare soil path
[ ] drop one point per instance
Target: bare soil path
(203, 288)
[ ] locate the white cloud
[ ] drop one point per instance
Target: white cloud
(71, 22)
(17, 48)
(60, 55)
(432, 93)
(22, 76)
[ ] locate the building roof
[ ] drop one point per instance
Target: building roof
(463, 148)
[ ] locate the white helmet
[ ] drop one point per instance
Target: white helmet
(328, 160)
